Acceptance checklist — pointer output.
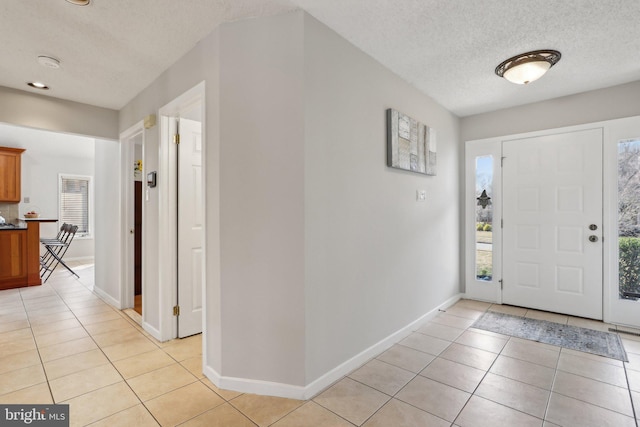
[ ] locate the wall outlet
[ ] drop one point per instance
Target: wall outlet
(421, 195)
(27, 199)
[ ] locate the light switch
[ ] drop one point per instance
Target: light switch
(27, 199)
(421, 195)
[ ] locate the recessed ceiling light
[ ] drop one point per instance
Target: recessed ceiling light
(38, 85)
(79, 2)
(49, 62)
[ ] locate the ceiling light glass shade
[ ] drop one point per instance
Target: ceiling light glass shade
(527, 72)
(528, 67)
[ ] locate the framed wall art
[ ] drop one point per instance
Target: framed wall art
(411, 145)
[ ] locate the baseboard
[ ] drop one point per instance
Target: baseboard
(106, 297)
(307, 392)
(244, 385)
(358, 360)
(151, 330)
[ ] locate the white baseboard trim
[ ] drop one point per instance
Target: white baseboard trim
(307, 392)
(151, 330)
(244, 385)
(106, 297)
(340, 371)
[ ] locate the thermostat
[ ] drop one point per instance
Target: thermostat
(151, 179)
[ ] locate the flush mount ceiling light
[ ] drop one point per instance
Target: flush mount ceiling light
(79, 2)
(38, 85)
(528, 67)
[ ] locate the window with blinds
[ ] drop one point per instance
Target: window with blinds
(75, 202)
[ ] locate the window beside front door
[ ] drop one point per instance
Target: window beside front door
(629, 219)
(484, 218)
(483, 213)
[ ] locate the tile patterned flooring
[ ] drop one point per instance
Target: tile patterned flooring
(60, 343)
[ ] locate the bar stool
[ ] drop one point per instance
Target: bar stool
(55, 250)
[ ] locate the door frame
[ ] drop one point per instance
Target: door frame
(491, 291)
(168, 214)
(127, 150)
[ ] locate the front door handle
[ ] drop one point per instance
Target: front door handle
(593, 238)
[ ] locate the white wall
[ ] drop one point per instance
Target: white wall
(201, 63)
(44, 112)
(47, 155)
(598, 105)
(254, 176)
(107, 221)
(315, 248)
(376, 259)
(262, 199)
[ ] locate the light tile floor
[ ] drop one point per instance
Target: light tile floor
(60, 343)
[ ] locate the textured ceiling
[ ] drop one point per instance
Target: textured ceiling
(448, 49)
(112, 49)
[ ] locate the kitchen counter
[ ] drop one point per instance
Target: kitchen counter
(5, 227)
(38, 219)
(20, 253)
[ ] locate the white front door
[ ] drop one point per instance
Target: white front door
(190, 228)
(552, 232)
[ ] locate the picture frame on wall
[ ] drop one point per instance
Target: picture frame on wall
(411, 145)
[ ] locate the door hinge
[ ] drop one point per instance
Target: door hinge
(502, 161)
(502, 223)
(501, 284)
(176, 310)
(176, 138)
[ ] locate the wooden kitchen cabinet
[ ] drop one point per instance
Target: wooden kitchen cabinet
(20, 254)
(10, 172)
(13, 258)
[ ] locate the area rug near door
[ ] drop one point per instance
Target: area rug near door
(605, 344)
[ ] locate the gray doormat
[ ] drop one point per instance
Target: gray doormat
(601, 343)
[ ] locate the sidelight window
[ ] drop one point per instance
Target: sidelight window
(484, 217)
(629, 218)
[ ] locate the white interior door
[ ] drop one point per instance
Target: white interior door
(190, 228)
(552, 211)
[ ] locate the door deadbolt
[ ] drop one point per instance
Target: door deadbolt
(593, 227)
(593, 238)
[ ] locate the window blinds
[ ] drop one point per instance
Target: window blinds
(74, 202)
